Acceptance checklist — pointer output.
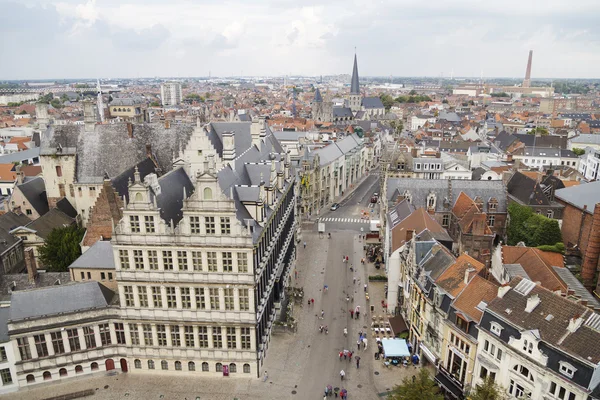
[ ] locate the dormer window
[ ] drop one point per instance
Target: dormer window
(567, 369)
(431, 200)
(495, 328)
(493, 204)
(528, 346)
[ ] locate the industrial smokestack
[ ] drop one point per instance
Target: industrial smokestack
(527, 80)
(592, 251)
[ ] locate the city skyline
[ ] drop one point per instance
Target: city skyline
(75, 39)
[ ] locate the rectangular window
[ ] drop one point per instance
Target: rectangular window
(149, 223)
(186, 297)
(134, 222)
(182, 260)
(24, 350)
(153, 259)
(217, 337)
(197, 260)
(231, 338)
(82, 275)
(6, 376)
(445, 220)
(134, 334)
(3, 356)
(73, 337)
(167, 260)
(89, 337)
(228, 298)
(195, 224)
(211, 261)
(225, 226)
(156, 297)
(491, 219)
(40, 345)
(104, 334)
(214, 299)
(102, 276)
(171, 297)
(58, 170)
(161, 335)
(203, 337)
(244, 298)
(143, 296)
(242, 260)
(188, 332)
(147, 331)
(246, 339)
(200, 299)
(175, 336)
(57, 342)
(120, 332)
(124, 259)
(110, 276)
(227, 261)
(209, 225)
(138, 259)
(128, 293)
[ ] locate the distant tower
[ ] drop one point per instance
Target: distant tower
(527, 80)
(355, 100)
(322, 111)
(100, 103)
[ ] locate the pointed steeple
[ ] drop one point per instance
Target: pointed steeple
(318, 97)
(354, 87)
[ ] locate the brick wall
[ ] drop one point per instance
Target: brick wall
(106, 210)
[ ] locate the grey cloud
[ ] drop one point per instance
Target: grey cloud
(145, 40)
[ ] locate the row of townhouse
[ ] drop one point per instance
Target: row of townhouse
(328, 172)
(202, 257)
(533, 342)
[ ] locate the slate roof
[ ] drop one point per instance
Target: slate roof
(4, 313)
(504, 140)
(121, 182)
(449, 116)
(552, 330)
(49, 221)
(574, 284)
(372, 102)
(10, 221)
(342, 112)
(526, 190)
(541, 141)
(59, 300)
(20, 156)
(65, 206)
(170, 199)
(98, 256)
(586, 194)
(436, 261)
(109, 150)
(34, 190)
(127, 101)
(318, 98)
(446, 190)
(398, 213)
(586, 138)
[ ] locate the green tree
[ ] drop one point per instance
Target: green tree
(488, 390)
(578, 151)
(397, 127)
(387, 100)
(412, 92)
(532, 229)
(518, 214)
(47, 98)
(56, 103)
(422, 387)
(539, 131)
(500, 94)
(23, 112)
(155, 104)
(61, 248)
(193, 96)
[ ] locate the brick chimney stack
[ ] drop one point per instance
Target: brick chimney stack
(592, 251)
(527, 80)
(31, 265)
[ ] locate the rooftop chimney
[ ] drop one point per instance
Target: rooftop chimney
(532, 303)
(575, 323)
(255, 130)
(89, 115)
(228, 146)
(20, 175)
(469, 272)
(41, 115)
(527, 80)
(30, 264)
(502, 290)
(409, 234)
(592, 251)
(130, 130)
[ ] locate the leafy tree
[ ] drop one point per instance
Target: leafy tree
(23, 112)
(444, 101)
(193, 96)
(500, 94)
(56, 103)
(397, 127)
(155, 104)
(412, 92)
(387, 100)
(518, 215)
(578, 151)
(47, 98)
(557, 248)
(488, 390)
(61, 248)
(539, 131)
(422, 387)
(532, 229)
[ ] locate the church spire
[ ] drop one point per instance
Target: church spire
(354, 88)
(318, 97)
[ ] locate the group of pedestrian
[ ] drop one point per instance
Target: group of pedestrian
(329, 391)
(323, 329)
(311, 302)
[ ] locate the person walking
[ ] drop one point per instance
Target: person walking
(312, 301)
(341, 355)
(304, 244)
(351, 314)
(342, 374)
(358, 344)
(357, 361)
(345, 331)
(364, 343)
(322, 314)
(266, 376)
(354, 280)
(350, 356)
(365, 287)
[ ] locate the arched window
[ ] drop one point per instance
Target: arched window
(177, 365)
(62, 372)
(246, 368)
(219, 367)
(207, 193)
(138, 197)
(232, 368)
(191, 366)
(94, 366)
(47, 375)
(137, 364)
(164, 365)
(78, 369)
(30, 378)
(204, 367)
(150, 364)
(523, 371)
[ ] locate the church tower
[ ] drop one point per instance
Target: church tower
(322, 111)
(355, 98)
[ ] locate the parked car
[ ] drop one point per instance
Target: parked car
(335, 206)
(374, 198)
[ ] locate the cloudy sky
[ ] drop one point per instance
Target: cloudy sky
(142, 38)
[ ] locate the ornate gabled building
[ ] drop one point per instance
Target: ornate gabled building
(203, 254)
